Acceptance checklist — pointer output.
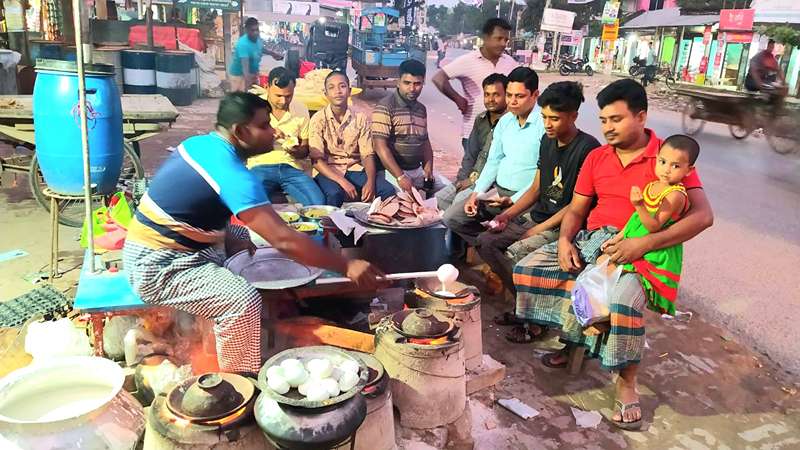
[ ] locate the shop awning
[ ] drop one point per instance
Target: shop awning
(669, 17)
(776, 11)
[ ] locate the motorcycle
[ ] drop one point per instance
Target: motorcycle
(547, 60)
(578, 65)
(637, 68)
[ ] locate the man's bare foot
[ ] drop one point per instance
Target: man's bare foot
(596, 329)
(627, 395)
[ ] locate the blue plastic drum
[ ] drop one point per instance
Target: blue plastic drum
(56, 121)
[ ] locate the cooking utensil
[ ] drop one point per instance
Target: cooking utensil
(270, 269)
(421, 323)
(316, 212)
(388, 277)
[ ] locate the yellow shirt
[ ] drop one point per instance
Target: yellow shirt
(293, 123)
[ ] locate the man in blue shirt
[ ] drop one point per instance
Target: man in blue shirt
(247, 57)
(180, 235)
(511, 164)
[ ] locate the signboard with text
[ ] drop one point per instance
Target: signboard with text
(736, 19)
(611, 32)
(225, 5)
(610, 12)
(557, 20)
(741, 37)
(572, 39)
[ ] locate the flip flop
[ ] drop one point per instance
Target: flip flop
(547, 360)
(522, 335)
(628, 426)
(507, 319)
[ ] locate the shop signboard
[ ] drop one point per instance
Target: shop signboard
(707, 35)
(295, 8)
(611, 32)
(610, 12)
(572, 39)
(557, 20)
(741, 37)
(225, 5)
(736, 19)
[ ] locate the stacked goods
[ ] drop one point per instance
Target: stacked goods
(403, 209)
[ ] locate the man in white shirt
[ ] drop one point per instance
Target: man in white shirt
(471, 69)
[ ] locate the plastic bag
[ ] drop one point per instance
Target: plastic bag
(591, 295)
(110, 224)
(60, 338)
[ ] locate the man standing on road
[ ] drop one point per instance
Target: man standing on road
(601, 201)
(284, 168)
(247, 57)
(480, 140)
(400, 133)
(471, 69)
(513, 156)
(561, 154)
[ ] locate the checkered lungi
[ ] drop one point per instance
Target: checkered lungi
(544, 298)
(196, 282)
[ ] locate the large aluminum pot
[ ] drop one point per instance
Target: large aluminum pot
(68, 403)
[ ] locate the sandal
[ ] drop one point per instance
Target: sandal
(547, 359)
(507, 319)
(622, 408)
(521, 334)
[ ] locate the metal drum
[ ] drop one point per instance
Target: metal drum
(174, 77)
(138, 71)
(56, 119)
(113, 57)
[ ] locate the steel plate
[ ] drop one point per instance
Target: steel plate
(270, 269)
(362, 216)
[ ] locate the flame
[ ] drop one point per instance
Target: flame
(437, 341)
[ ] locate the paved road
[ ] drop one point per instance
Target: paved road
(743, 272)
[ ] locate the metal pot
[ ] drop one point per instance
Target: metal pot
(69, 402)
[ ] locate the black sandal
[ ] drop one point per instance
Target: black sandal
(507, 319)
(521, 334)
(628, 426)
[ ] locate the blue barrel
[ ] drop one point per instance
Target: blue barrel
(174, 77)
(56, 122)
(139, 72)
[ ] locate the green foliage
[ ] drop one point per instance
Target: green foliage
(782, 33)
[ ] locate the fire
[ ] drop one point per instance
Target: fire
(421, 341)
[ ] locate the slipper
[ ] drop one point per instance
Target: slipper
(522, 335)
(507, 319)
(628, 426)
(547, 360)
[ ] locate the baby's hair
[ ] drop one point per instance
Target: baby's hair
(685, 144)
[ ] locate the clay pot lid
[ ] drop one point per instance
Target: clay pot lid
(210, 396)
(422, 323)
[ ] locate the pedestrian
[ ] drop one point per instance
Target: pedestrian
(471, 69)
(535, 218)
(480, 140)
(650, 67)
(286, 169)
(400, 134)
(340, 142)
(247, 57)
(659, 204)
(511, 164)
(601, 202)
(171, 255)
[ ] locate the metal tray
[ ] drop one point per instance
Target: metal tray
(362, 216)
(270, 269)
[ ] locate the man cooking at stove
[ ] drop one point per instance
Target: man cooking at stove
(174, 250)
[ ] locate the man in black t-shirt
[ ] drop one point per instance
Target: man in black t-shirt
(562, 152)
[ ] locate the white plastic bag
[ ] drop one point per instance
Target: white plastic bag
(591, 295)
(60, 338)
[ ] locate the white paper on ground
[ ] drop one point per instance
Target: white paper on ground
(348, 225)
(518, 408)
(586, 419)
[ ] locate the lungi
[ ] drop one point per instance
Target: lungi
(197, 283)
(544, 298)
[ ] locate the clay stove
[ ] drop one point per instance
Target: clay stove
(423, 353)
(458, 302)
(214, 410)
